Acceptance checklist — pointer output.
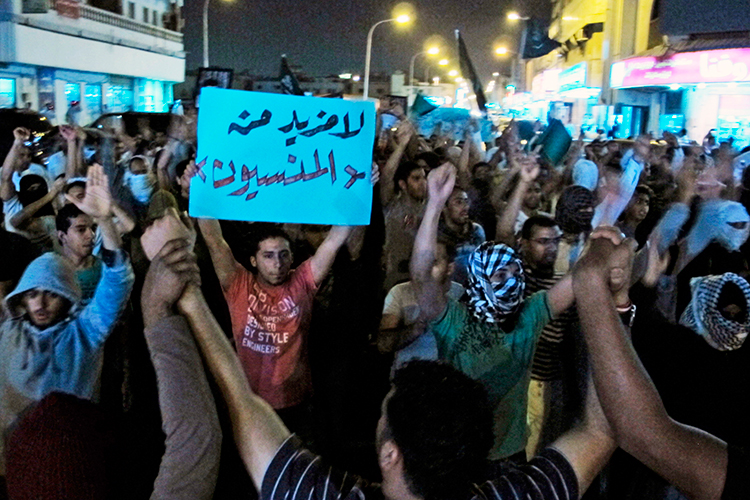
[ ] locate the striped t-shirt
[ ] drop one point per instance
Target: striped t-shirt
(547, 364)
(297, 474)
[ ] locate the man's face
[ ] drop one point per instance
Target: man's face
(77, 192)
(273, 260)
(457, 208)
(416, 184)
(638, 209)
(533, 196)
(503, 274)
(79, 238)
(44, 308)
(483, 173)
(540, 251)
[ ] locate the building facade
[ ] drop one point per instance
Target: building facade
(89, 58)
(640, 66)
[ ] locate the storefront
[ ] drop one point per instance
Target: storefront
(698, 91)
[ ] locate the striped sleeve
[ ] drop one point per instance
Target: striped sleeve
(549, 476)
(295, 473)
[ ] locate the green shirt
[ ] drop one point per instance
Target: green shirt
(500, 360)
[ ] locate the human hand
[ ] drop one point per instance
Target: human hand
(607, 254)
(440, 182)
(97, 202)
(58, 186)
(184, 180)
(529, 168)
(171, 226)
(657, 264)
(404, 133)
(375, 174)
(68, 133)
(642, 148)
(21, 135)
(173, 268)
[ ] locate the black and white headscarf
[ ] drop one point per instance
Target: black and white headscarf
(494, 302)
(703, 316)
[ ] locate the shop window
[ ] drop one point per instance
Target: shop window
(94, 100)
(72, 93)
(119, 98)
(7, 93)
(150, 96)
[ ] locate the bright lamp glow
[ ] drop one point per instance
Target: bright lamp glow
(403, 18)
(443, 62)
(453, 72)
(433, 50)
(356, 78)
(501, 51)
(513, 16)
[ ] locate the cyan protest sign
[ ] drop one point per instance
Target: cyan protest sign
(283, 158)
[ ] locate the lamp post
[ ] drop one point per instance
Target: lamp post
(205, 32)
(400, 19)
(431, 51)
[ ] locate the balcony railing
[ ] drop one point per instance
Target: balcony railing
(119, 21)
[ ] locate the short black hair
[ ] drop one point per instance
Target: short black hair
(644, 189)
(429, 157)
(403, 172)
(441, 421)
(536, 221)
(64, 215)
(266, 231)
(71, 185)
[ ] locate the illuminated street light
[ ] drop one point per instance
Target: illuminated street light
(515, 16)
(401, 19)
(443, 62)
(453, 72)
(501, 51)
(430, 51)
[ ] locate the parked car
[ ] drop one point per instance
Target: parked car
(130, 121)
(41, 129)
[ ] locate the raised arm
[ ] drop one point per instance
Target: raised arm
(322, 261)
(258, 431)
(190, 464)
(22, 218)
(691, 459)
(403, 136)
(506, 225)
(430, 295)
(464, 175)
(7, 189)
(72, 158)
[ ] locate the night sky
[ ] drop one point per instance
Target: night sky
(326, 37)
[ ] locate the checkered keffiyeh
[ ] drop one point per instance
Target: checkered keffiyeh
(493, 302)
(702, 315)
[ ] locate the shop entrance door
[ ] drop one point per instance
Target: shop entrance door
(634, 121)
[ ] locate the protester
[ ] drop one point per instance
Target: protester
(51, 342)
(463, 234)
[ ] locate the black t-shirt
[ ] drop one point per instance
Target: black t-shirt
(737, 483)
(296, 473)
(16, 252)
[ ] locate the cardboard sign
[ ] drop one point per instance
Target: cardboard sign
(283, 158)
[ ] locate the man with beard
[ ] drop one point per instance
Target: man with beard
(465, 235)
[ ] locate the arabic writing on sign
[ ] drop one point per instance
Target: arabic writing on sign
(258, 151)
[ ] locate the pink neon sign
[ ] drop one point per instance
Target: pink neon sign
(711, 66)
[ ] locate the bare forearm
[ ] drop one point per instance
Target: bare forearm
(125, 224)
(464, 176)
(23, 217)
(386, 177)
(324, 257)
(425, 243)
(506, 226)
(7, 189)
(258, 431)
(111, 239)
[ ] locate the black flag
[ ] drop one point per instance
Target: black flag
(467, 71)
(289, 83)
(535, 42)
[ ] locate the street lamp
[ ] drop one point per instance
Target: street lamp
(205, 32)
(443, 62)
(453, 72)
(515, 16)
(431, 51)
(402, 19)
(501, 51)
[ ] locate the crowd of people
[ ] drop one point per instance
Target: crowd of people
(503, 325)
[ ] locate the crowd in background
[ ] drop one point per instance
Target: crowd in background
(118, 310)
